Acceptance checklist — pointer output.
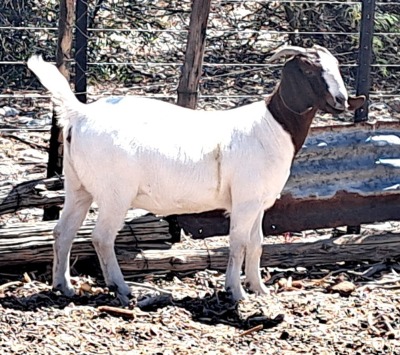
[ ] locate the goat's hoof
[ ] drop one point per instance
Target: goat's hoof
(258, 288)
(124, 299)
(236, 294)
(68, 291)
(123, 294)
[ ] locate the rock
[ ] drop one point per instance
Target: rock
(344, 288)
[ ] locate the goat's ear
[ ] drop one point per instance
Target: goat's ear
(356, 102)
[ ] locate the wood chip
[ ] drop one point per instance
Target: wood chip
(117, 312)
(252, 330)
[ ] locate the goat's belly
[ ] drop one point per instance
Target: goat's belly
(179, 200)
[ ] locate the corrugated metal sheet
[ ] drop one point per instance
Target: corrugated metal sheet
(344, 175)
(362, 159)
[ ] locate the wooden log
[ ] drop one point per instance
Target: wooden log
(33, 243)
(356, 248)
(30, 194)
(137, 244)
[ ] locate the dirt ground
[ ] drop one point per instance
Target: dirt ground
(346, 308)
(341, 309)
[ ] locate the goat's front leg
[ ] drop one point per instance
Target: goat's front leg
(253, 279)
(110, 220)
(77, 203)
(242, 220)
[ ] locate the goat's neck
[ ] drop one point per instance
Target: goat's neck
(296, 124)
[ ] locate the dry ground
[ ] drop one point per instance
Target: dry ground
(351, 308)
(302, 314)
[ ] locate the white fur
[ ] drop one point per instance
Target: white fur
(167, 159)
(186, 162)
(333, 78)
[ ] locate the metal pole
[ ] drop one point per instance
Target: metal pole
(364, 68)
(81, 39)
(365, 56)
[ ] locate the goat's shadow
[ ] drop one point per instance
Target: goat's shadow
(212, 309)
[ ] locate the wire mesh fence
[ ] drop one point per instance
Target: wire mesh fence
(137, 47)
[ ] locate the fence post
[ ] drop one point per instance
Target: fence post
(81, 39)
(64, 43)
(191, 71)
(365, 56)
(364, 68)
(63, 54)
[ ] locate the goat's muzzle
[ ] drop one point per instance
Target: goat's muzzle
(340, 104)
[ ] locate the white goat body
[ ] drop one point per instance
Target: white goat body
(143, 153)
(171, 160)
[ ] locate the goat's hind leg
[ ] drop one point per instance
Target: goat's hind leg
(110, 220)
(77, 203)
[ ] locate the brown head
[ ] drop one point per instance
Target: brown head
(310, 81)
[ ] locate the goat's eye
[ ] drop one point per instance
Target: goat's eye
(308, 72)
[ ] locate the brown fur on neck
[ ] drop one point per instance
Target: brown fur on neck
(296, 124)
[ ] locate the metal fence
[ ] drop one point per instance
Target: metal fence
(138, 48)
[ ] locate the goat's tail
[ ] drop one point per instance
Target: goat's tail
(52, 79)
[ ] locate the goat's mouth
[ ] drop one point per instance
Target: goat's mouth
(332, 109)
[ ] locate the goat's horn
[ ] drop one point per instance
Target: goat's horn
(286, 51)
(317, 47)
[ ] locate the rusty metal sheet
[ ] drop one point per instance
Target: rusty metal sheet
(344, 175)
(362, 159)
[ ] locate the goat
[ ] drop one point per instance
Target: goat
(143, 153)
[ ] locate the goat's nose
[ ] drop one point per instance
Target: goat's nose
(341, 99)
